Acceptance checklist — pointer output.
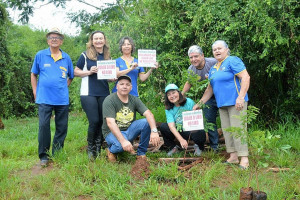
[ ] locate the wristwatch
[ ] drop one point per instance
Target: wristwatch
(154, 130)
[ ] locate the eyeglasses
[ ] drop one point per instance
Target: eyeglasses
(54, 38)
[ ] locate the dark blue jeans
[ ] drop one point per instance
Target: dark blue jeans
(138, 127)
(61, 128)
(210, 114)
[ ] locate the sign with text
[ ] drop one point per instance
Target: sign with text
(147, 58)
(106, 69)
(192, 120)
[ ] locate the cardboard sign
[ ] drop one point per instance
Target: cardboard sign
(106, 69)
(192, 120)
(146, 58)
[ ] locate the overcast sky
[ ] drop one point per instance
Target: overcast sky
(47, 17)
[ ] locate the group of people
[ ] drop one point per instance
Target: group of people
(112, 117)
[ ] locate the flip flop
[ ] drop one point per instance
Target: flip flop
(229, 163)
(243, 167)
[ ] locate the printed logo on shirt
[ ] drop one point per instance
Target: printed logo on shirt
(47, 65)
(63, 68)
(223, 68)
(124, 117)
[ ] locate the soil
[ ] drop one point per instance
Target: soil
(1, 124)
(140, 169)
(38, 170)
(246, 193)
(259, 195)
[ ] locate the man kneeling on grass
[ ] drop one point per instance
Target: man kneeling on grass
(120, 127)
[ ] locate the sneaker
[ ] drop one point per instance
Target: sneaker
(44, 163)
(197, 152)
(110, 156)
(172, 151)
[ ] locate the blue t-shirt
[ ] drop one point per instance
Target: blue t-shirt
(224, 81)
(52, 86)
(175, 114)
(134, 74)
(91, 85)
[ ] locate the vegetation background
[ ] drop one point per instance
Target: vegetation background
(264, 34)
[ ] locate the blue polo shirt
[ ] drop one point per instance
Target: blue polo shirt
(134, 74)
(52, 86)
(224, 81)
(175, 114)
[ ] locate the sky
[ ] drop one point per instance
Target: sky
(47, 17)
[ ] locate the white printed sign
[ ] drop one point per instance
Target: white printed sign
(146, 58)
(192, 120)
(106, 69)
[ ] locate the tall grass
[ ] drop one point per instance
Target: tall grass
(72, 176)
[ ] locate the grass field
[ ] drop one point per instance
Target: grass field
(72, 176)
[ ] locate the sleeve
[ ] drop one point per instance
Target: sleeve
(140, 106)
(237, 65)
(169, 116)
(191, 103)
(108, 109)
(36, 64)
(81, 62)
(190, 70)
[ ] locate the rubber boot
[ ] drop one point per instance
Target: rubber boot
(91, 149)
(98, 143)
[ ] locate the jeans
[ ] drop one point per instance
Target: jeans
(198, 136)
(210, 113)
(138, 127)
(61, 128)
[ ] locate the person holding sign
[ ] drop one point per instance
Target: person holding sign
(229, 82)
(128, 65)
(175, 104)
(93, 91)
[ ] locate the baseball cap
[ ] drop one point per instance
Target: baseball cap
(124, 77)
(56, 31)
(171, 87)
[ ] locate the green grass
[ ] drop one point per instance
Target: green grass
(74, 177)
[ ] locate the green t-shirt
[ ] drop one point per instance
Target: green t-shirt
(124, 113)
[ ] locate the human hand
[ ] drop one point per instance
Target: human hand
(239, 103)
(94, 69)
(184, 144)
(127, 146)
(154, 138)
(133, 65)
(156, 65)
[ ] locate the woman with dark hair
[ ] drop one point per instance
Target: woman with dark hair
(175, 104)
(128, 65)
(93, 91)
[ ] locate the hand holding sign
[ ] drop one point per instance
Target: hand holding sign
(147, 58)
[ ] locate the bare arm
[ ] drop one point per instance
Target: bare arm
(112, 125)
(80, 73)
(245, 83)
(69, 81)
(154, 137)
(126, 71)
(145, 76)
(33, 79)
(187, 86)
(173, 129)
(206, 96)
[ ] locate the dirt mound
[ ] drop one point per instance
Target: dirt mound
(1, 124)
(140, 170)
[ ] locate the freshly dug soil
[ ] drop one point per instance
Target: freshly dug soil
(140, 170)
(246, 193)
(259, 196)
(1, 124)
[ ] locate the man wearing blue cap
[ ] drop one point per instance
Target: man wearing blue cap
(201, 66)
(120, 126)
